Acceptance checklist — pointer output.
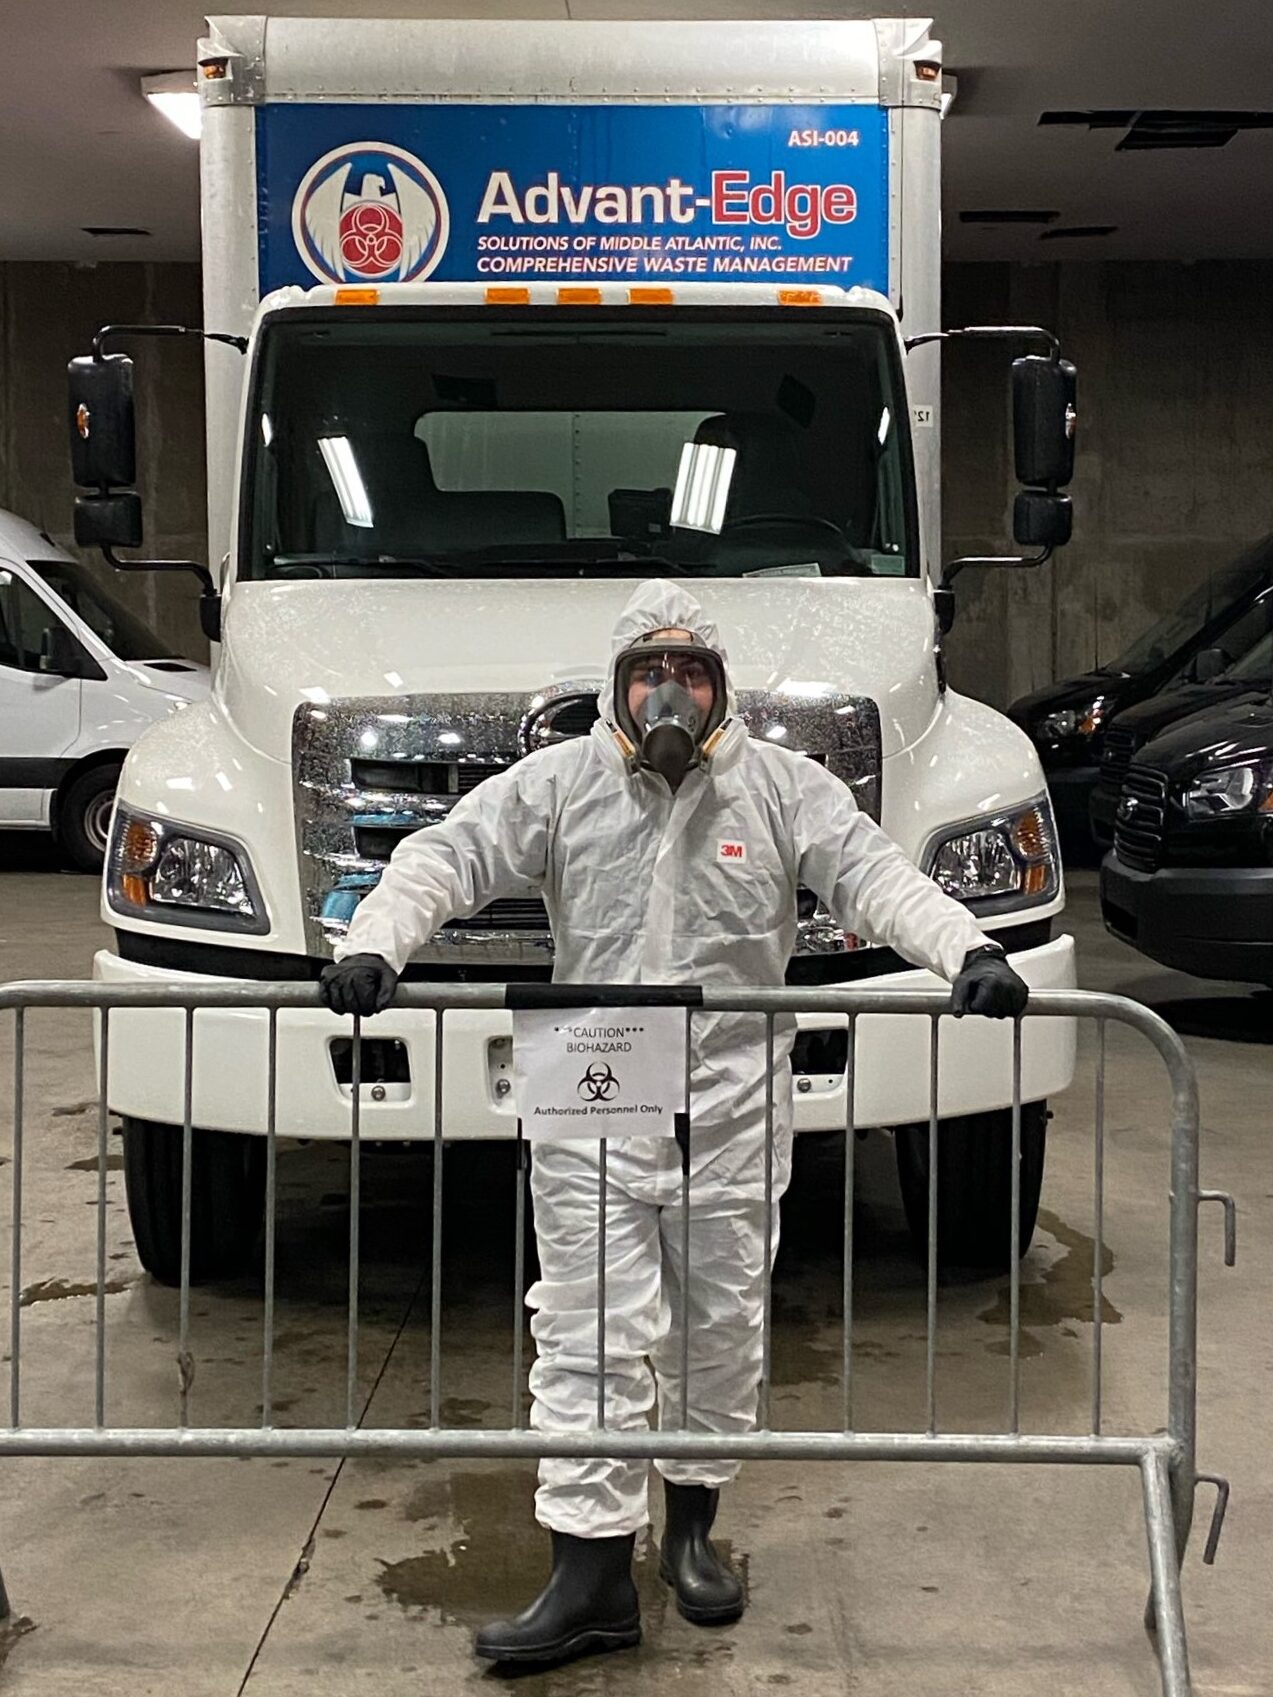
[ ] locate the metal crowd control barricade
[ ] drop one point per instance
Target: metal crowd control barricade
(1165, 1459)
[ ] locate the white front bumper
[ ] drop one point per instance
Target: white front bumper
(147, 1068)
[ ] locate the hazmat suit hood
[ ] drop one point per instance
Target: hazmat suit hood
(660, 605)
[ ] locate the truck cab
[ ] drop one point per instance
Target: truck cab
(436, 494)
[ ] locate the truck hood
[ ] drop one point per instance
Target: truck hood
(1223, 736)
(288, 644)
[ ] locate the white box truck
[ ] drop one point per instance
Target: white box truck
(513, 316)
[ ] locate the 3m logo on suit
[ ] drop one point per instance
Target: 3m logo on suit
(734, 853)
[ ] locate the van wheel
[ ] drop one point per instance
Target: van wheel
(84, 816)
(974, 1185)
(227, 1199)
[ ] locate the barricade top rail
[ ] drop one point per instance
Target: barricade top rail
(425, 997)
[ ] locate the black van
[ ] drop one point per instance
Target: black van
(1190, 879)
(1068, 720)
(1251, 677)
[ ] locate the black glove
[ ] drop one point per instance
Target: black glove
(362, 984)
(987, 984)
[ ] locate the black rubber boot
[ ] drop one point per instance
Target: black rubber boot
(588, 1605)
(707, 1591)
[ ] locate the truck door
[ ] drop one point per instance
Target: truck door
(39, 709)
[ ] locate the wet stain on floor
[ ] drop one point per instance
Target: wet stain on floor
(89, 1164)
(57, 1290)
(72, 1110)
(17, 1626)
(497, 1556)
(1063, 1292)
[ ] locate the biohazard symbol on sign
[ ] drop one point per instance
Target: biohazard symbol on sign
(598, 1084)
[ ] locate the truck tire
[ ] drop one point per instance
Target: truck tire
(227, 1200)
(83, 817)
(974, 1184)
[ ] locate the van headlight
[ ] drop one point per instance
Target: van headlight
(182, 875)
(1222, 791)
(1002, 861)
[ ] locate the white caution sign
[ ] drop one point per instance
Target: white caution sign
(598, 1072)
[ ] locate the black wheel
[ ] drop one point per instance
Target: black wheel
(83, 817)
(974, 1184)
(227, 1200)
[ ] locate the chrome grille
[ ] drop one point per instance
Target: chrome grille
(1140, 821)
(367, 773)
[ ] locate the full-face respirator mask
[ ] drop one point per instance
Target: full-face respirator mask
(669, 700)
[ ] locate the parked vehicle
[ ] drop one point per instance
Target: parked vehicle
(1190, 879)
(448, 488)
(1251, 677)
(80, 679)
(1068, 721)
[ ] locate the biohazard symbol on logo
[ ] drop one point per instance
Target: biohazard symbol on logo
(371, 238)
(598, 1084)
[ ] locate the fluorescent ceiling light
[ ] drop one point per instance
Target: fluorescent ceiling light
(881, 435)
(702, 487)
(347, 481)
(175, 95)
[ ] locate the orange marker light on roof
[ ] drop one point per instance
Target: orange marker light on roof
(651, 297)
(357, 297)
(799, 297)
(507, 297)
(578, 297)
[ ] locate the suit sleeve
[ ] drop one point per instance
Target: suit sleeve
(870, 886)
(494, 842)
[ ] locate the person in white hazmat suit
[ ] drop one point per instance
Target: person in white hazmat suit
(624, 831)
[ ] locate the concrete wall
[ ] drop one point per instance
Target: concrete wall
(48, 314)
(1175, 465)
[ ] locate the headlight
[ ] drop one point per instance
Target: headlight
(1003, 861)
(1226, 790)
(1070, 722)
(182, 875)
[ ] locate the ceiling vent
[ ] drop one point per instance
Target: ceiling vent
(1145, 130)
(1008, 215)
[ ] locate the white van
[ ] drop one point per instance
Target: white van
(80, 679)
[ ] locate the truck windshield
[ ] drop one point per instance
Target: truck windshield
(122, 632)
(562, 444)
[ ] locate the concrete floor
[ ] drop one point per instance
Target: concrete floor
(217, 1578)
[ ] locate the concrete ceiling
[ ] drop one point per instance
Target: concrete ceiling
(81, 146)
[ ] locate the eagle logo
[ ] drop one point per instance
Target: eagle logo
(370, 213)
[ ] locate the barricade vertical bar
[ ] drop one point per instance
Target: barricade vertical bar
(519, 1265)
(435, 1293)
(850, 1162)
(931, 1357)
(15, 1248)
(185, 1365)
(355, 1221)
(685, 1233)
(601, 1283)
(1183, 1300)
(103, 1134)
(1014, 1242)
(1168, 1609)
(271, 1198)
(1098, 1232)
(767, 1360)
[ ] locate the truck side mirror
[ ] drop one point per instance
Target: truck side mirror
(109, 521)
(1040, 520)
(103, 430)
(1043, 420)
